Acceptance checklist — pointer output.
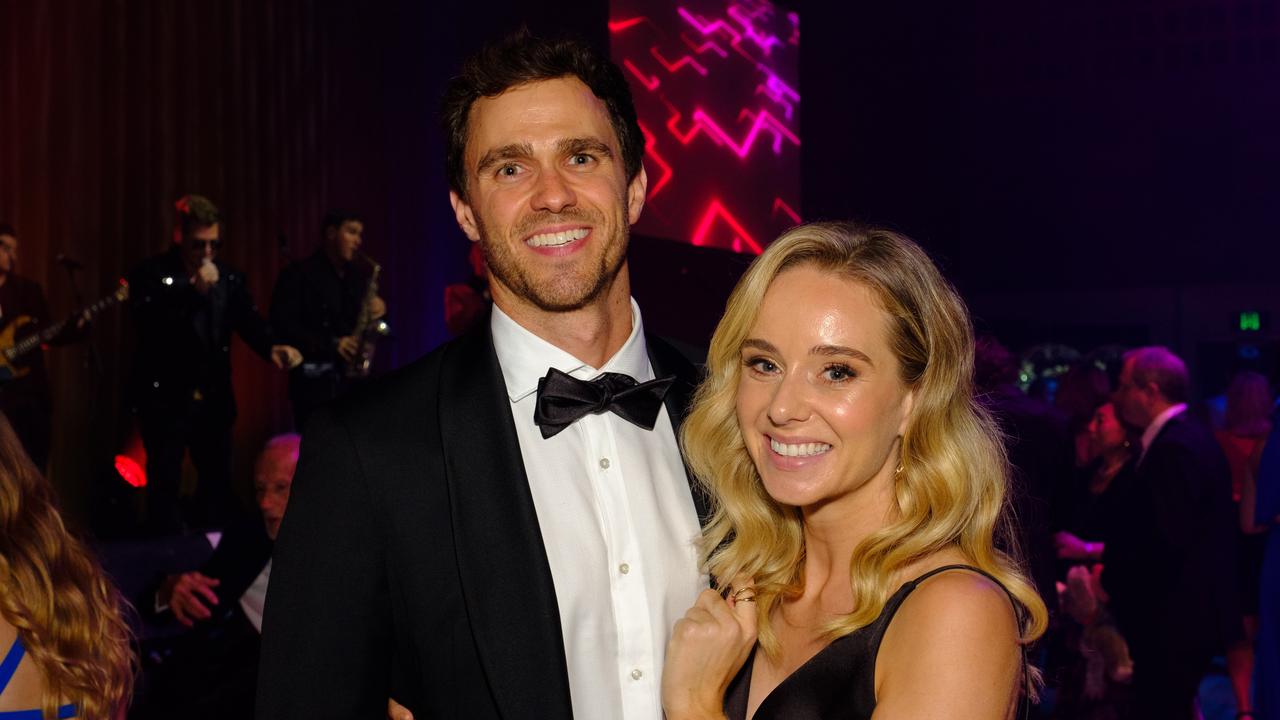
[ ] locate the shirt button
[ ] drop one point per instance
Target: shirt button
(604, 463)
(624, 568)
(636, 674)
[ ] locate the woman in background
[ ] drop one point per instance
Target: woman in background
(855, 481)
(66, 651)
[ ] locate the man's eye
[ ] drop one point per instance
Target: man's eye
(509, 170)
(581, 159)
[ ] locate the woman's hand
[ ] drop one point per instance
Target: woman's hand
(708, 646)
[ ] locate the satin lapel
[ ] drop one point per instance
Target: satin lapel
(666, 360)
(506, 580)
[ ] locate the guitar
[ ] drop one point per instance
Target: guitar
(17, 340)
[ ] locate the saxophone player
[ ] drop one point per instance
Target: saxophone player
(316, 306)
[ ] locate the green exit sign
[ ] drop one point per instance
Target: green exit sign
(1250, 321)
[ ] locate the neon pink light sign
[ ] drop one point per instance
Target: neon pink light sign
(715, 87)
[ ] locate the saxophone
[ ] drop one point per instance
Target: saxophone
(367, 330)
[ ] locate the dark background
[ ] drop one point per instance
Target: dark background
(1093, 172)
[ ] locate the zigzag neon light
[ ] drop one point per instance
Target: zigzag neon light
(704, 47)
(672, 67)
(616, 26)
(765, 42)
(650, 83)
(779, 204)
(778, 92)
(765, 121)
(650, 148)
(717, 210)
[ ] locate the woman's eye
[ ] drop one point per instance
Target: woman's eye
(839, 373)
(761, 365)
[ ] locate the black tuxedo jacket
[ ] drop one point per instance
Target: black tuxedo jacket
(1170, 557)
(410, 563)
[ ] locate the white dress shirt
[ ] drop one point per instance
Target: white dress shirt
(254, 599)
(618, 523)
(1157, 424)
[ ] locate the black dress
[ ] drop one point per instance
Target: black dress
(838, 682)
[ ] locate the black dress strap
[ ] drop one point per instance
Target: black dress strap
(1019, 612)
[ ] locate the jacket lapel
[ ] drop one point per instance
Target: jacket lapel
(502, 563)
(666, 360)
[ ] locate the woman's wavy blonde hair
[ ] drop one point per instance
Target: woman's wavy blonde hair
(67, 613)
(951, 487)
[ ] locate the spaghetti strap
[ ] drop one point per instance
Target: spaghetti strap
(11, 660)
(1018, 611)
(7, 668)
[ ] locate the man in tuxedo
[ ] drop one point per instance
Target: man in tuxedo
(1170, 562)
(504, 528)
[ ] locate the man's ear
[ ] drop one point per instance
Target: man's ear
(636, 190)
(463, 214)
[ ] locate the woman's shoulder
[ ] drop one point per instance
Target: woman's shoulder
(25, 687)
(954, 640)
(952, 596)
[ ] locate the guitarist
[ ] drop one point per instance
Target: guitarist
(315, 306)
(25, 400)
(186, 305)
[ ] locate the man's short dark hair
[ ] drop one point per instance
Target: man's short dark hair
(336, 218)
(1158, 365)
(7, 229)
(193, 211)
(523, 58)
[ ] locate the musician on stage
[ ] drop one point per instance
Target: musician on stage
(24, 398)
(316, 306)
(187, 304)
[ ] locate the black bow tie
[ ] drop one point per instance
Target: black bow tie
(562, 399)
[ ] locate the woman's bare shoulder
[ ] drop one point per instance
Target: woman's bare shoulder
(26, 686)
(952, 646)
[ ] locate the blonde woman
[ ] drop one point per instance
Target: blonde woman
(859, 496)
(64, 649)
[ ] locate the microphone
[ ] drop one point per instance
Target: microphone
(68, 262)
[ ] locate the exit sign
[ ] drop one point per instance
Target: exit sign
(1251, 321)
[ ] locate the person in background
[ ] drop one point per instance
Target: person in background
(25, 400)
(65, 645)
(1260, 514)
(1246, 424)
(215, 672)
(315, 307)
(1170, 566)
(186, 305)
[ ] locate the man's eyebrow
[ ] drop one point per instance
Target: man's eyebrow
(573, 146)
(499, 154)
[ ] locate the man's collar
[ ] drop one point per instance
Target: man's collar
(525, 357)
(1157, 424)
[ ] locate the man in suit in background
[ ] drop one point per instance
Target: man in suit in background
(214, 672)
(504, 528)
(1170, 562)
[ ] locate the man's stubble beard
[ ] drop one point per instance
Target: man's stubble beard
(566, 293)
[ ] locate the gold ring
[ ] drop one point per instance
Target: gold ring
(738, 595)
